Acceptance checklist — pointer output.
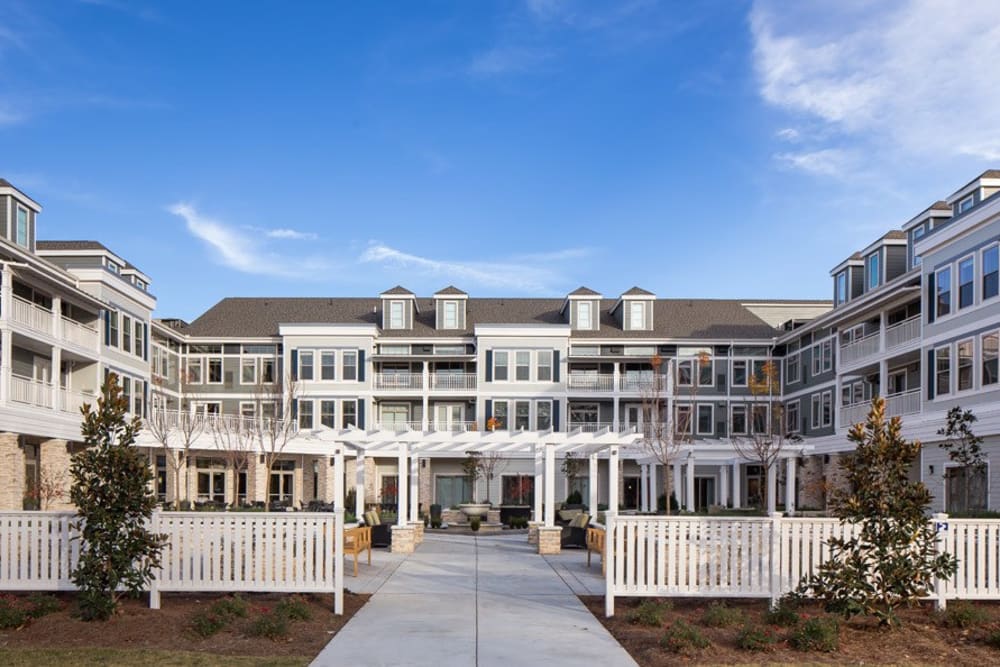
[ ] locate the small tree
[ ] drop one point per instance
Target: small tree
(571, 469)
(491, 464)
(964, 448)
(114, 498)
(234, 435)
(176, 430)
(472, 466)
(275, 424)
(892, 559)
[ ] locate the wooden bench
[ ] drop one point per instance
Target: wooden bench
(595, 545)
(357, 540)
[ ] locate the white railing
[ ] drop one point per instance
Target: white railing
(456, 427)
(453, 381)
(209, 423)
(399, 426)
(31, 315)
(205, 551)
(72, 401)
(399, 381)
(859, 349)
(854, 413)
(32, 392)
(590, 381)
(903, 403)
(641, 383)
(79, 334)
(589, 427)
(902, 332)
(767, 557)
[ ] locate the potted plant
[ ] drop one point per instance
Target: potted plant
(472, 466)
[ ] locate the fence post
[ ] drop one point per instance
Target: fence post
(774, 559)
(154, 584)
(610, 519)
(940, 530)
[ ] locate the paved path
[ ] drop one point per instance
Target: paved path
(483, 601)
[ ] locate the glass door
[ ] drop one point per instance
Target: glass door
(395, 416)
(451, 490)
(449, 417)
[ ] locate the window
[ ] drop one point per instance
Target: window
(758, 421)
(990, 344)
(349, 414)
(873, 271)
(792, 368)
(522, 415)
(140, 339)
(305, 414)
(138, 397)
(639, 350)
(349, 358)
(248, 371)
(113, 329)
(792, 417)
(705, 373)
(500, 366)
(943, 281)
(637, 315)
(739, 372)
(585, 351)
(543, 415)
(683, 422)
(450, 311)
(126, 334)
(814, 410)
(841, 288)
(21, 233)
(827, 412)
(328, 413)
(965, 488)
(215, 370)
(282, 485)
(965, 351)
(942, 367)
(396, 320)
(211, 480)
(194, 371)
(684, 372)
(445, 349)
(305, 365)
(738, 419)
(544, 365)
(161, 478)
(827, 355)
(328, 365)
(517, 490)
(396, 349)
(706, 418)
(966, 204)
(248, 409)
(822, 357)
(267, 371)
(918, 233)
(501, 414)
(584, 319)
(991, 261)
(522, 365)
(966, 282)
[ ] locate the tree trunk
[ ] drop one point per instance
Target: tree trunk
(667, 479)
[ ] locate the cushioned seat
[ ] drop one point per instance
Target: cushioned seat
(574, 536)
(381, 532)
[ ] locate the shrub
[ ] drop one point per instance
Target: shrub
(40, 605)
(230, 608)
(964, 615)
(435, 523)
(207, 623)
(821, 633)
(272, 625)
(575, 498)
(681, 637)
(721, 615)
(474, 523)
(755, 638)
(12, 616)
(994, 639)
(294, 608)
(649, 612)
(785, 614)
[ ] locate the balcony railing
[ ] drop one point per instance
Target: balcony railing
(197, 424)
(455, 427)
(859, 349)
(71, 401)
(399, 426)
(404, 381)
(79, 334)
(453, 381)
(31, 315)
(31, 392)
(896, 405)
(591, 382)
(589, 427)
(641, 383)
(902, 332)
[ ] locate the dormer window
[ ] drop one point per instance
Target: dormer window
(21, 232)
(397, 319)
(637, 315)
(966, 204)
(873, 271)
(140, 284)
(584, 315)
(841, 288)
(918, 233)
(112, 267)
(450, 315)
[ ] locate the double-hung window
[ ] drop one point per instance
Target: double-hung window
(248, 370)
(450, 312)
(989, 343)
(814, 410)
(349, 360)
(966, 282)
(827, 408)
(706, 368)
(943, 286)
(544, 365)
(113, 328)
(194, 375)
(328, 365)
(942, 370)
(522, 415)
(543, 415)
(637, 315)
(396, 320)
(739, 372)
(522, 365)
(827, 355)
(738, 419)
(965, 364)
(685, 372)
(215, 370)
(305, 364)
(348, 414)
(126, 334)
(584, 316)
(683, 422)
(706, 417)
(328, 413)
(21, 233)
(267, 371)
(991, 264)
(792, 368)
(305, 414)
(873, 271)
(792, 417)
(500, 369)
(758, 422)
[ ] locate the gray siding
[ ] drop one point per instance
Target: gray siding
(595, 313)
(856, 278)
(4, 208)
(626, 313)
(439, 313)
(895, 261)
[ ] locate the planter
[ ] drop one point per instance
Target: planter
(474, 509)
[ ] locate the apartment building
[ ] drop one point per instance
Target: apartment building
(913, 318)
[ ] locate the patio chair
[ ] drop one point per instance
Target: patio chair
(381, 532)
(357, 540)
(574, 536)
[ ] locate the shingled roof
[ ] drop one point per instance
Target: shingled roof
(254, 317)
(638, 291)
(450, 290)
(584, 291)
(81, 245)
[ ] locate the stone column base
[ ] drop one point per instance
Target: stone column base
(533, 527)
(549, 540)
(418, 531)
(493, 516)
(403, 539)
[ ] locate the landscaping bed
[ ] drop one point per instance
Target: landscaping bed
(189, 629)
(658, 633)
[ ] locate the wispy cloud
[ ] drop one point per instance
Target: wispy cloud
(509, 60)
(788, 134)
(234, 248)
(910, 77)
(518, 275)
(824, 162)
(290, 234)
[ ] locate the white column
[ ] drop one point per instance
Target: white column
(592, 485)
(677, 491)
(883, 379)
(359, 486)
(613, 479)
(643, 488)
(338, 529)
(338, 477)
(881, 331)
(615, 418)
(790, 485)
(55, 373)
(414, 495)
(550, 485)
(724, 485)
(402, 486)
(426, 419)
(689, 491)
(6, 355)
(737, 492)
(772, 489)
(539, 481)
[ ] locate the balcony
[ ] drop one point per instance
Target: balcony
(902, 332)
(30, 392)
(639, 383)
(453, 381)
(896, 405)
(31, 315)
(402, 381)
(859, 349)
(71, 401)
(591, 382)
(79, 334)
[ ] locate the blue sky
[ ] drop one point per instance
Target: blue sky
(709, 149)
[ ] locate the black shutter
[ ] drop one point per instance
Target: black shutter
(488, 409)
(555, 367)
(361, 365)
(555, 414)
(107, 328)
(361, 413)
(145, 342)
(295, 365)
(489, 365)
(295, 408)
(931, 368)
(930, 298)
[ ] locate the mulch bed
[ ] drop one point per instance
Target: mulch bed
(923, 639)
(139, 627)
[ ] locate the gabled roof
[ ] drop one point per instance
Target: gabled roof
(82, 245)
(450, 290)
(398, 290)
(584, 291)
(638, 291)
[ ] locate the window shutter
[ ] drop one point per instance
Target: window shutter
(555, 415)
(107, 328)
(555, 365)
(361, 413)
(489, 408)
(295, 408)
(145, 341)
(930, 298)
(489, 365)
(295, 365)
(931, 370)
(361, 365)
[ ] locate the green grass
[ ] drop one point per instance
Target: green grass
(104, 657)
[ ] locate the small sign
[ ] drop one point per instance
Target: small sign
(941, 526)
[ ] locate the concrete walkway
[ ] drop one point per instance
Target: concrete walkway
(462, 600)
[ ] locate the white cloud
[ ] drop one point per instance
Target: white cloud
(292, 234)
(508, 60)
(912, 76)
(823, 162)
(514, 275)
(240, 251)
(789, 134)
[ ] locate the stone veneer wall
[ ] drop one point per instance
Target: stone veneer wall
(55, 458)
(11, 472)
(812, 484)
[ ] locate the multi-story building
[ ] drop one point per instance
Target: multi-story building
(914, 318)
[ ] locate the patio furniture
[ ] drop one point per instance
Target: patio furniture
(381, 532)
(568, 512)
(356, 540)
(595, 545)
(574, 536)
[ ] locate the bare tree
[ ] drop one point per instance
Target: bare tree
(275, 424)
(176, 429)
(234, 435)
(767, 431)
(491, 464)
(571, 467)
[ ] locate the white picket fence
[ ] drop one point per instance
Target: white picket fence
(767, 557)
(205, 551)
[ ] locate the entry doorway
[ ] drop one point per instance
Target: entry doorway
(704, 493)
(630, 501)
